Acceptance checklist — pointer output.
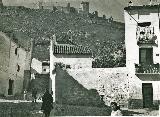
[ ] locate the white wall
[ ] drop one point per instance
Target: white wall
(52, 67)
(36, 65)
(132, 50)
(75, 63)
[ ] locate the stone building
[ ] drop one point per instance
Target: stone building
(142, 40)
(84, 7)
(15, 58)
(55, 7)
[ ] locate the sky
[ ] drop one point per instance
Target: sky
(109, 8)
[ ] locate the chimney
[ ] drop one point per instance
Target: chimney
(54, 39)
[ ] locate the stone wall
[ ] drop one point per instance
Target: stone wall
(118, 85)
(13, 62)
(4, 60)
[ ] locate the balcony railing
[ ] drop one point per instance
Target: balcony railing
(152, 68)
(146, 35)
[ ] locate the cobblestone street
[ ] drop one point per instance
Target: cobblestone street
(19, 108)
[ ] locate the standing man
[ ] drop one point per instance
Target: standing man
(47, 103)
(34, 95)
(24, 94)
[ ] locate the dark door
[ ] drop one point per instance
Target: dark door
(146, 56)
(147, 92)
(10, 89)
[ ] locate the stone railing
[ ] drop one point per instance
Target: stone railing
(152, 68)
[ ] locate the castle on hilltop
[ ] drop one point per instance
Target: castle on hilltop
(82, 10)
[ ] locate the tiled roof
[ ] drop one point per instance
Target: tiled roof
(142, 7)
(71, 49)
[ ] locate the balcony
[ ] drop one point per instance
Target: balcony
(146, 37)
(147, 69)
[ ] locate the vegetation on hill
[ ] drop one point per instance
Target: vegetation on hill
(106, 39)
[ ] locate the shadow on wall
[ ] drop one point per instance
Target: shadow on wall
(41, 83)
(69, 91)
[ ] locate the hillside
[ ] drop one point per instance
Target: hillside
(105, 38)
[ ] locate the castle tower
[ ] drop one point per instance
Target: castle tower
(104, 16)
(1, 5)
(84, 6)
(40, 5)
(68, 7)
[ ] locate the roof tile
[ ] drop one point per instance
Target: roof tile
(71, 49)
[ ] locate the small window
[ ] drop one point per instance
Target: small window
(16, 51)
(18, 68)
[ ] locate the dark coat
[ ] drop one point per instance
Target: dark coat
(47, 102)
(34, 93)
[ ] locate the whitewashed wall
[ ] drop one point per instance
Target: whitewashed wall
(36, 65)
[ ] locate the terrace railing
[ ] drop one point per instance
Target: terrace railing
(146, 35)
(148, 69)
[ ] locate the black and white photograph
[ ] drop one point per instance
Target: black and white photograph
(79, 58)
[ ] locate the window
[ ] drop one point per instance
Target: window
(16, 51)
(18, 68)
(10, 89)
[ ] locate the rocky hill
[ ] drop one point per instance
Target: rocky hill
(104, 37)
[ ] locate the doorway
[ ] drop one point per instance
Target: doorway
(147, 91)
(10, 89)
